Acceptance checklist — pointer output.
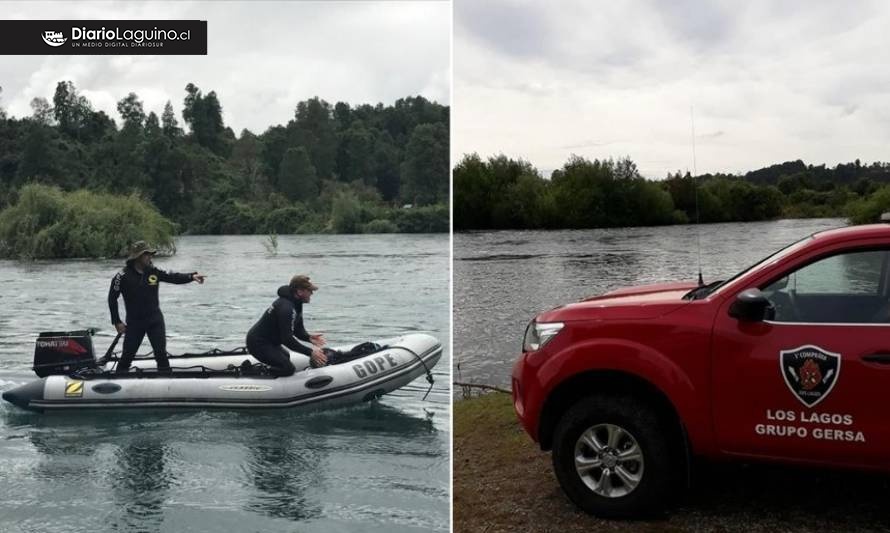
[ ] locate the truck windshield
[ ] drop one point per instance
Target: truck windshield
(702, 292)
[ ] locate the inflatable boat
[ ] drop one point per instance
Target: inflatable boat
(73, 379)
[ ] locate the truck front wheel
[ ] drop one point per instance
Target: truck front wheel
(612, 458)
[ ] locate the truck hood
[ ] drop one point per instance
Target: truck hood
(632, 303)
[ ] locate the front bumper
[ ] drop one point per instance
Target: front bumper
(526, 396)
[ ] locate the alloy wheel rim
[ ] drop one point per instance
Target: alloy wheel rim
(609, 460)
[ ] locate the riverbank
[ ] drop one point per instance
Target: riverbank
(504, 482)
(48, 223)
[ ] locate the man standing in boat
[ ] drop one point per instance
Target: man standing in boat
(138, 282)
(282, 325)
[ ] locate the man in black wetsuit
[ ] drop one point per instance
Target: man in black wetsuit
(138, 282)
(282, 324)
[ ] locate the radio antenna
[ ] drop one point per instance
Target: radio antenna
(701, 280)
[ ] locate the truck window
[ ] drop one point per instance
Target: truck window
(767, 261)
(840, 288)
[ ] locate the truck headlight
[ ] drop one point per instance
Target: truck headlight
(538, 334)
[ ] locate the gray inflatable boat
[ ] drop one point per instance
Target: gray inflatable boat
(75, 380)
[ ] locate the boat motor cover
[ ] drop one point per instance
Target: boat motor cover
(63, 352)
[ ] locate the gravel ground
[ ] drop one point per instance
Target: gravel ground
(504, 482)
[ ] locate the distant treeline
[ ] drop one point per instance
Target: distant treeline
(330, 168)
(505, 193)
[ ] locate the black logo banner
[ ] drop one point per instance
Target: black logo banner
(103, 37)
(810, 372)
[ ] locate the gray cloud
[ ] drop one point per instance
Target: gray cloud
(512, 27)
(788, 79)
(263, 57)
(702, 24)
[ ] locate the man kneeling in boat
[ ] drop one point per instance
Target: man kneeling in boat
(138, 282)
(282, 324)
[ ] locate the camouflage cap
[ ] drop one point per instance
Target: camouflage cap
(301, 281)
(138, 248)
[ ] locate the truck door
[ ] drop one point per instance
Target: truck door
(811, 383)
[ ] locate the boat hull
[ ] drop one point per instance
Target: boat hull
(405, 359)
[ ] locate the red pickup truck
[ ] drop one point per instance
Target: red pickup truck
(788, 361)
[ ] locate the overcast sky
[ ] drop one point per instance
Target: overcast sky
(263, 57)
(769, 82)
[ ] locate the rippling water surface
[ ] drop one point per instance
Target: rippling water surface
(503, 279)
(373, 467)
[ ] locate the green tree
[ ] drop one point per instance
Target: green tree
(70, 109)
(313, 128)
(40, 157)
(386, 161)
(203, 113)
(298, 178)
(131, 110)
(342, 115)
(42, 111)
(169, 123)
(355, 159)
(162, 164)
(425, 170)
(520, 204)
(471, 194)
(653, 205)
(130, 147)
(246, 159)
(346, 213)
(275, 144)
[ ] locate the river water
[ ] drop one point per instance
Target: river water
(503, 279)
(382, 466)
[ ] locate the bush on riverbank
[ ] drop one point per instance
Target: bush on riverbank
(869, 210)
(46, 223)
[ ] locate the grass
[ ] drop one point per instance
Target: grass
(504, 482)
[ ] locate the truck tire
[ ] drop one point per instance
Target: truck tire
(612, 457)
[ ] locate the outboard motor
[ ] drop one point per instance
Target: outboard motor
(63, 352)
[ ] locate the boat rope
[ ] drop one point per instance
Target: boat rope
(429, 375)
(242, 350)
(246, 370)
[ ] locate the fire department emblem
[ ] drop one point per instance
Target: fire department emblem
(810, 372)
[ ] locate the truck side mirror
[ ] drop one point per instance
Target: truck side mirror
(751, 306)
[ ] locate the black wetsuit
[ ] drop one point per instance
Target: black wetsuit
(281, 324)
(143, 311)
